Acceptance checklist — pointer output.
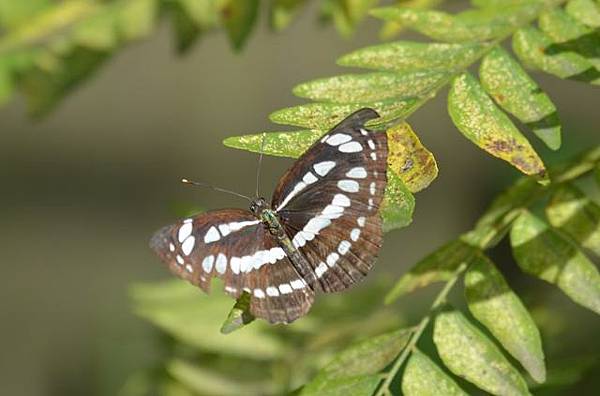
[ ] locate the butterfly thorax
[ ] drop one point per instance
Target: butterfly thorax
(261, 209)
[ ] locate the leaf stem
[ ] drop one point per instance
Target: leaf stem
(384, 389)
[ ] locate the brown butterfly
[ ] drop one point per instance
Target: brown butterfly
(321, 231)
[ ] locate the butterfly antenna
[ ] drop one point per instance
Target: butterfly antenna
(201, 184)
(260, 157)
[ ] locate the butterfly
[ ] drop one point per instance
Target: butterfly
(320, 233)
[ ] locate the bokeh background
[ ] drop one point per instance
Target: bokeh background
(83, 189)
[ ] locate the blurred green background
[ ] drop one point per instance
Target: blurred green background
(84, 188)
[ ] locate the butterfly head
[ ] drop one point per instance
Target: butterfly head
(258, 205)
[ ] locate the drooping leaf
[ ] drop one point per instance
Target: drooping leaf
(534, 49)
(347, 14)
(398, 204)
(511, 87)
(194, 318)
(282, 12)
(239, 17)
(422, 377)
(478, 118)
(576, 215)
(205, 381)
(542, 252)
(358, 364)
(406, 56)
(369, 87)
(585, 11)
(497, 307)
(468, 353)
(439, 266)
(326, 115)
(409, 159)
(239, 315)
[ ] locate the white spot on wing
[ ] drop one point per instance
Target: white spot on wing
(171, 247)
(321, 269)
(315, 225)
(348, 185)
(374, 156)
(221, 263)
(332, 258)
(361, 221)
(372, 188)
(212, 235)
(272, 291)
(355, 234)
(188, 245)
(344, 247)
(189, 268)
(235, 263)
(259, 293)
(309, 178)
(341, 200)
(371, 144)
(224, 229)
(338, 138)
(285, 288)
(297, 188)
(357, 173)
(323, 168)
(179, 259)
(351, 147)
(332, 212)
(184, 231)
(363, 132)
(207, 263)
(298, 284)
(370, 203)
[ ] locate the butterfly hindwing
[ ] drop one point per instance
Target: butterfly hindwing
(233, 245)
(328, 202)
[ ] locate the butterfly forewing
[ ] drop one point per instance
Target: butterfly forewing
(233, 245)
(328, 202)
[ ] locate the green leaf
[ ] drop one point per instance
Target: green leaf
(239, 17)
(422, 377)
(569, 35)
(324, 116)
(205, 381)
(283, 11)
(370, 87)
(478, 118)
(584, 11)
(497, 307)
(511, 87)
(534, 49)
(439, 266)
(239, 315)
(497, 219)
(194, 318)
(542, 252)
(136, 18)
(407, 56)
(409, 159)
(357, 364)
(468, 353)
(360, 385)
(469, 26)
(398, 204)
(280, 144)
(576, 215)
(15, 13)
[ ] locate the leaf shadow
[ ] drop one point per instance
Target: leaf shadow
(585, 45)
